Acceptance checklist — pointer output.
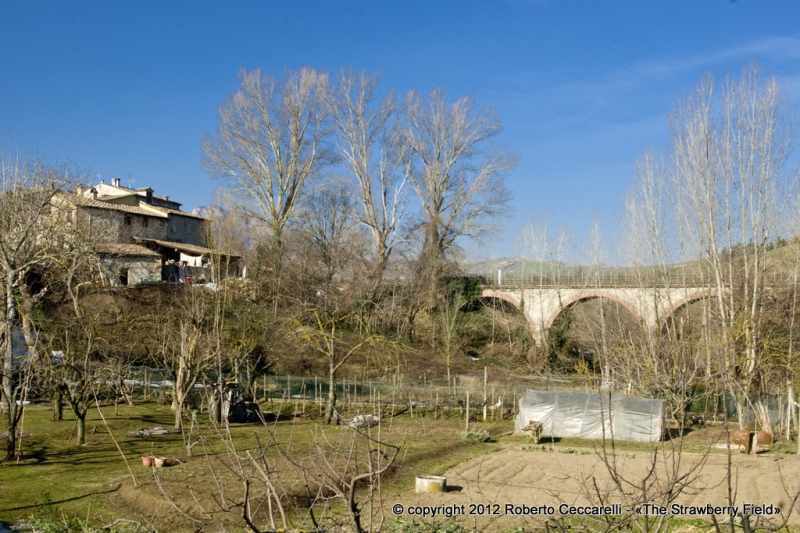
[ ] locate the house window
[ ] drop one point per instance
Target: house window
(127, 220)
(144, 222)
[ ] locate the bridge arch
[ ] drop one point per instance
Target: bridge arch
(506, 297)
(698, 295)
(591, 295)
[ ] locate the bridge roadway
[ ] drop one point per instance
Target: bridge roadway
(651, 306)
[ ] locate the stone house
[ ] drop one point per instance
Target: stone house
(137, 233)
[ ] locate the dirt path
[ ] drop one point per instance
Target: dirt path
(536, 478)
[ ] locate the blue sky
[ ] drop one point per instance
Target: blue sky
(129, 89)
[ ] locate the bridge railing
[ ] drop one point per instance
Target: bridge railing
(586, 279)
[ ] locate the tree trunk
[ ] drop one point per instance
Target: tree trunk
(81, 428)
(8, 352)
(429, 267)
(58, 411)
(215, 407)
(28, 329)
(331, 397)
(179, 390)
(376, 276)
(11, 383)
(11, 447)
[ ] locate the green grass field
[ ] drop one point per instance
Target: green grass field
(56, 477)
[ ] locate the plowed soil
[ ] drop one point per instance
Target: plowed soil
(539, 477)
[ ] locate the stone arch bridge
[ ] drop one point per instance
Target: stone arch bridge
(651, 306)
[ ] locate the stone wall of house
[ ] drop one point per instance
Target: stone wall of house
(106, 225)
(186, 229)
(132, 269)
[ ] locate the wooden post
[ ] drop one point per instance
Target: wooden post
(789, 400)
(485, 385)
(466, 425)
(513, 404)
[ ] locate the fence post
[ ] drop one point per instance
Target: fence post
(466, 426)
(485, 384)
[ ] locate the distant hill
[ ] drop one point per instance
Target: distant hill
(512, 267)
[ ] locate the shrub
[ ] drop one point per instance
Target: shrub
(478, 435)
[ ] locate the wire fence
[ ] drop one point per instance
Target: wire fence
(497, 397)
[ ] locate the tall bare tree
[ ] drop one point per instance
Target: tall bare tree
(368, 140)
(29, 229)
(730, 156)
(271, 140)
(456, 171)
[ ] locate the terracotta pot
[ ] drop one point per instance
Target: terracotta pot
(147, 460)
(160, 461)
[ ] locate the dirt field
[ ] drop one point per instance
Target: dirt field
(541, 477)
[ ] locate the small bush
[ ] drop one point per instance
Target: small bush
(575, 452)
(478, 435)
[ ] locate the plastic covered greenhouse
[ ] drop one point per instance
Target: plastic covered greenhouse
(588, 416)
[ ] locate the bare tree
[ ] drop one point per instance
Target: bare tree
(730, 171)
(29, 230)
(77, 377)
(320, 334)
(271, 139)
(456, 171)
(449, 334)
(368, 137)
(187, 344)
(328, 228)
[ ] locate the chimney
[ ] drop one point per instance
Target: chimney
(94, 193)
(79, 190)
(102, 182)
(115, 182)
(149, 197)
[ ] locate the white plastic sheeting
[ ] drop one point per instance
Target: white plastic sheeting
(587, 416)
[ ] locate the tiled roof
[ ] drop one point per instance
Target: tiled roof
(175, 212)
(115, 196)
(142, 209)
(191, 249)
(133, 250)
